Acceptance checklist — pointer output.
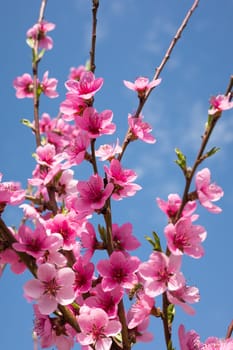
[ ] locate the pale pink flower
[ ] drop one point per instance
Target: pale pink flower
(140, 310)
(213, 343)
(140, 130)
(48, 86)
(220, 103)
(87, 85)
(140, 332)
(122, 180)
(161, 273)
(105, 300)
(189, 340)
(9, 256)
(83, 276)
(52, 287)
(93, 194)
(46, 155)
(72, 107)
(141, 85)
(118, 270)
(108, 152)
(208, 192)
(96, 328)
(10, 193)
(96, 124)
(185, 238)
(39, 32)
(75, 72)
(24, 86)
(171, 207)
(123, 238)
(77, 148)
(66, 185)
(183, 296)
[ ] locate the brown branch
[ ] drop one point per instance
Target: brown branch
(229, 330)
(95, 5)
(159, 69)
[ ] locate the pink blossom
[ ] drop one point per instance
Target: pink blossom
(39, 32)
(142, 85)
(75, 72)
(89, 241)
(118, 270)
(48, 86)
(77, 148)
(96, 124)
(93, 193)
(66, 184)
(140, 310)
(171, 207)
(123, 238)
(161, 273)
(87, 85)
(9, 256)
(52, 287)
(140, 130)
(122, 180)
(24, 86)
(185, 238)
(108, 152)
(83, 276)
(208, 192)
(220, 103)
(183, 296)
(105, 300)
(10, 193)
(72, 107)
(96, 328)
(140, 333)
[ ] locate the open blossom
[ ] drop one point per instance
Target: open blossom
(220, 103)
(208, 192)
(142, 85)
(108, 152)
(123, 238)
(87, 85)
(48, 86)
(39, 32)
(96, 328)
(83, 276)
(140, 130)
(10, 193)
(185, 238)
(51, 287)
(24, 86)
(122, 180)
(118, 270)
(183, 297)
(140, 310)
(161, 273)
(96, 124)
(171, 207)
(72, 107)
(75, 72)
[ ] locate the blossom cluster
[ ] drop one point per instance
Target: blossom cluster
(58, 235)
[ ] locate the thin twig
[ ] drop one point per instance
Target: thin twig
(229, 330)
(95, 5)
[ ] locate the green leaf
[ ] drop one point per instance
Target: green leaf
(30, 42)
(155, 242)
(169, 346)
(102, 233)
(27, 123)
(212, 151)
(181, 161)
(170, 313)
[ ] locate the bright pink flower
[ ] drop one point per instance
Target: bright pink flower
(185, 238)
(107, 301)
(118, 270)
(96, 328)
(96, 124)
(122, 180)
(140, 310)
(52, 287)
(46, 155)
(140, 333)
(213, 343)
(123, 238)
(83, 276)
(108, 152)
(183, 296)
(9, 256)
(220, 103)
(72, 107)
(39, 32)
(77, 148)
(140, 130)
(142, 85)
(189, 340)
(161, 273)
(87, 85)
(171, 207)
(75, 72)
(48, 86)
(10, 193)
(93, 194)
(208, 192)
(24, 86)
(89, 241)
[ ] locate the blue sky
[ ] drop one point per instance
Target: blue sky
(132, 37)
